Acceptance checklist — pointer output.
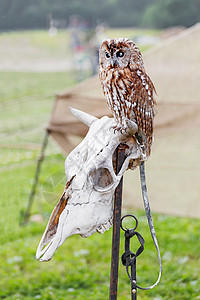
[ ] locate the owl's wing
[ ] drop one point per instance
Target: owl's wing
(142, 101)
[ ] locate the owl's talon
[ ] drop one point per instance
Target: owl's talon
(119, 129)
(115, 128)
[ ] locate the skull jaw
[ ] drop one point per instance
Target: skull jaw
(81, 219)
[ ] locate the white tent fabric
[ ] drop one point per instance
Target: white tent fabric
(173, 168)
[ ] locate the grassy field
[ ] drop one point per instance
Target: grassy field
(80, 269)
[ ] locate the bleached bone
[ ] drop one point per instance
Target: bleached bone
(82, 116)
(86, 205)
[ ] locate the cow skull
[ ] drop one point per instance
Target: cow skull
(86, 205)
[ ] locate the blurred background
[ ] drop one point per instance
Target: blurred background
(48, 62)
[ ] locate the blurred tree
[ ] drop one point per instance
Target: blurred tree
(19, 14)
(172, 13)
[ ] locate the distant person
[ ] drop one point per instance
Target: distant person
(94, 45)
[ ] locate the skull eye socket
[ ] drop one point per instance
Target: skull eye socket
(101, 178)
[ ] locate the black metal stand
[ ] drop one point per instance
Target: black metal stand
(120, 156)
(129, 258)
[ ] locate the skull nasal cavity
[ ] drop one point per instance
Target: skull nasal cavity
(101, 177)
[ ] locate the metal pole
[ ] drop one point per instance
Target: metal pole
(35, 182)
(120, 156)
(133, 282)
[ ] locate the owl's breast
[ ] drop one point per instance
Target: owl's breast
(116, 79)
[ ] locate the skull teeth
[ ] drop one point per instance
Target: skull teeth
(104, 227)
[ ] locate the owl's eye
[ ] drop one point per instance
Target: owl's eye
(120, 54)
(107, 55)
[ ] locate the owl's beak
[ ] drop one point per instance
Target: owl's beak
(113, 62)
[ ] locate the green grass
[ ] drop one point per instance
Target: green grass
(26, 102)
(80, 268)
(19, 85)
(22, 46)
(77, 274)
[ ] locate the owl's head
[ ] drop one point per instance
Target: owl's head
(120, 53)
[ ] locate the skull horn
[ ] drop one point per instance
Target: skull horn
(82, 116)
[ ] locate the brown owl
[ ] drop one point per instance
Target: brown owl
(129, 91)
